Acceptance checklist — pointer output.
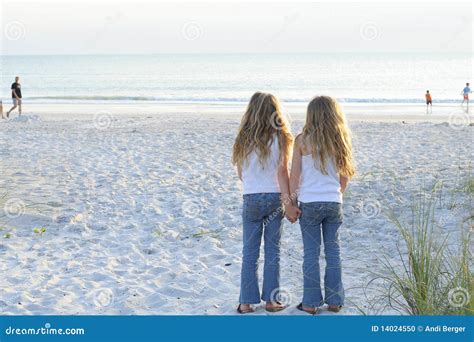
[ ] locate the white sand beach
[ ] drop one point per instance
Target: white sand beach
(142, 208)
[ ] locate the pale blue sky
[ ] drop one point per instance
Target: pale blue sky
(98, 27)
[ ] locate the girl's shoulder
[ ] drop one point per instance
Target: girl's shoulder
(299, 142)
(303, 144)
(299, 139)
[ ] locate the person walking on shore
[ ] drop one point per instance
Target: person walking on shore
(16, 96)
(465, 93)
(429, 102)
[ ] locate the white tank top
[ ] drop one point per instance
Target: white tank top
(261, 179)
(316, 186)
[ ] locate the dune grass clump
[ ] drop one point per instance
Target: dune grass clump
(430, 277)
(469, 185)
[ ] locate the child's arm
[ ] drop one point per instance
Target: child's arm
(283, 179)
(344, 181)
(291, 211)
(295, 170)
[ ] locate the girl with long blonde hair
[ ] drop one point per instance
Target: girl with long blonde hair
(322, 165)
(261, 153)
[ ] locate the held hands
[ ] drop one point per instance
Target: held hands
(292, 212)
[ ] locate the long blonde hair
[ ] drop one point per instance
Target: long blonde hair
(328, 135)
(262, 122)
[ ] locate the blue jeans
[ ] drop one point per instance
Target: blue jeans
(325, 217)
(262, 214)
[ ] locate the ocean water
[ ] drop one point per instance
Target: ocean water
(232, 78)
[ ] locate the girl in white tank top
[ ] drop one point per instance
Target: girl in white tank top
(322, 155)
(321, 167)
(316, 186)
(258, 178)
(261, 152)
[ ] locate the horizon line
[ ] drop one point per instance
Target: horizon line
(240, 53)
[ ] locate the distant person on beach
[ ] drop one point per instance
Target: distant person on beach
(16, 96)
(261, 154)
(1, 109)
(429, 100)
(465, 93)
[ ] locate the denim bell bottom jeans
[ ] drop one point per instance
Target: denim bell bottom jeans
(325, 218)
(262, 215)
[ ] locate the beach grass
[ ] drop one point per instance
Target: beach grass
(431, 278)
(469, 185)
